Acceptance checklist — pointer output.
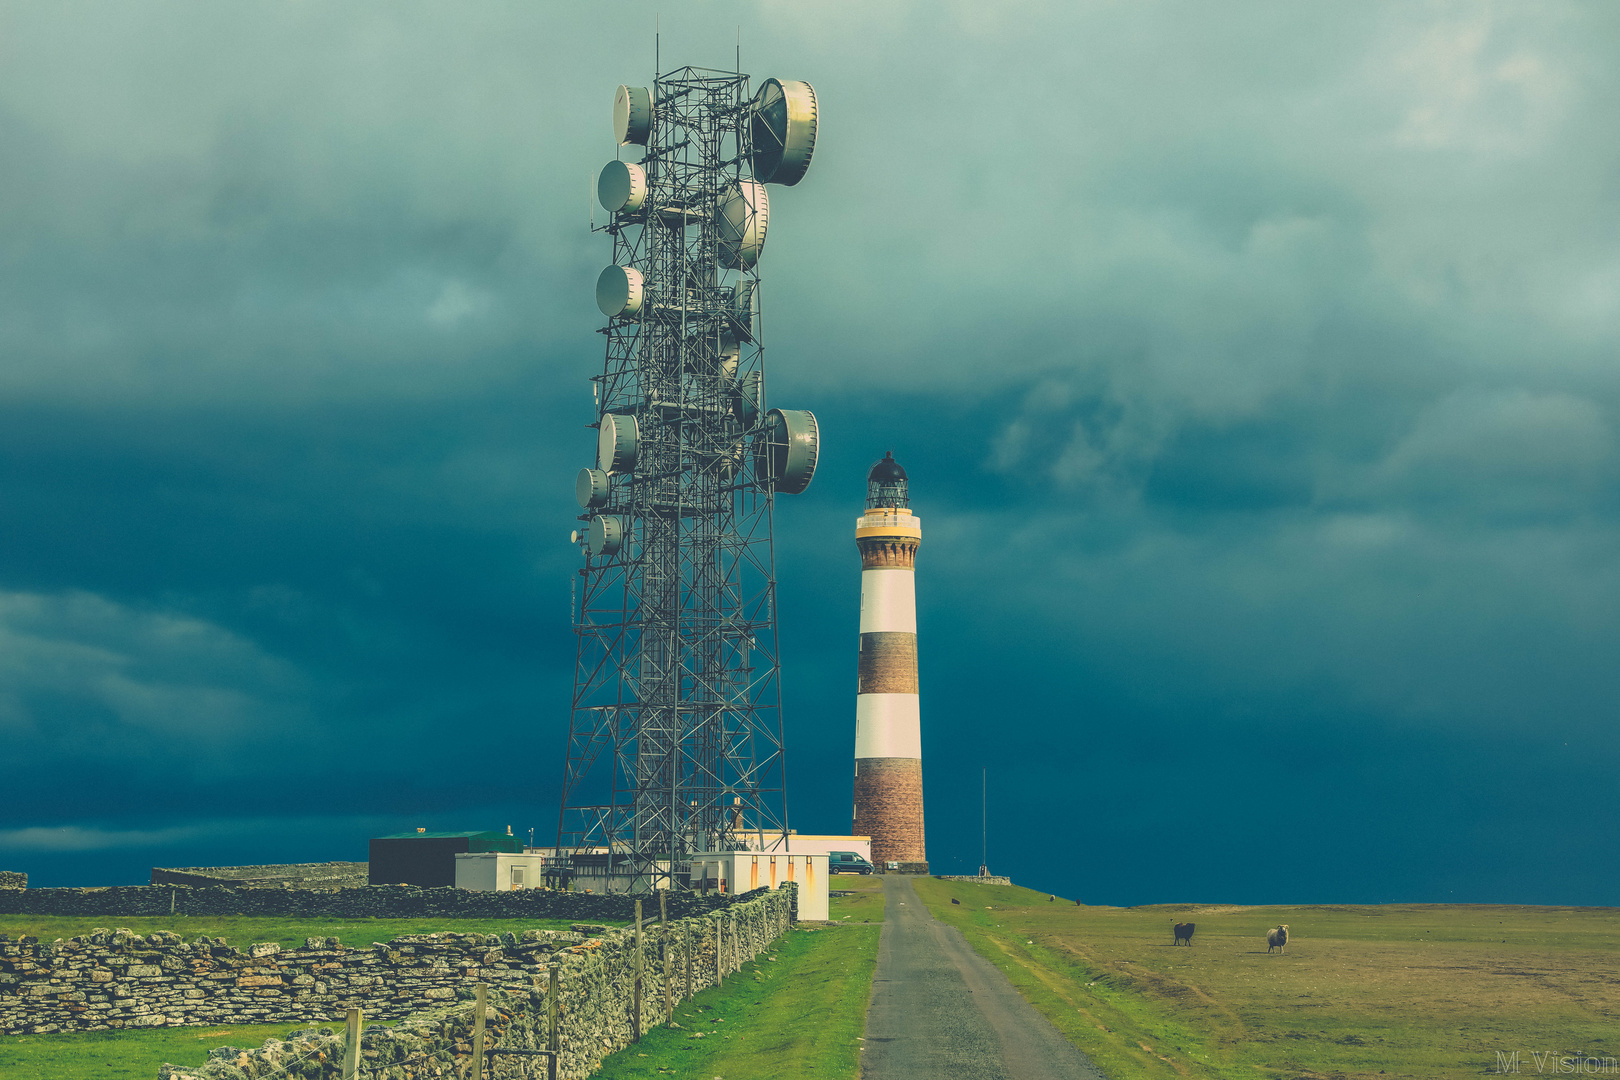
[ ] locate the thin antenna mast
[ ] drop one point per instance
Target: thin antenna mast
(984, 820)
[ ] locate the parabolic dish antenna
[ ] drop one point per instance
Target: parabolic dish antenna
(606, 535)
(617, 443)
(744, 309)
(619, 291)
(743, 213)
(786, 454)
(784, 131)
(632, 115)
(730, 354)
(591, 488)
(622, 186)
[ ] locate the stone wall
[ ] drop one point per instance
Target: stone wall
(326, 875)
(988, 879)
(369, 901)
(113, 979)
(11, 879)
(594, 1000)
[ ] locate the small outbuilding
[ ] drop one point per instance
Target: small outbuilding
(500, 871)
(428, 859)
(744, 871)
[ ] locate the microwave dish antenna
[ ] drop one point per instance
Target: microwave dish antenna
(622, 185)
(675, 741)
(744, 309)
(784, 131)
(620, 291)
(742, 214)
(632, 115)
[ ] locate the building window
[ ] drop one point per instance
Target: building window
(517, 877)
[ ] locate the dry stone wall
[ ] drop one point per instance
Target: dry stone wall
(422, 985)
(112, 979)
(326, 875)
(11, 879)
(370, 901)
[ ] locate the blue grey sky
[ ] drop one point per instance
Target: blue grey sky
(1256, 366)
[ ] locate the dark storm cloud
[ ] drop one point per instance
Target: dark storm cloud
(1255, 367)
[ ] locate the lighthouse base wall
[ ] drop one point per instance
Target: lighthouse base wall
(889, 809)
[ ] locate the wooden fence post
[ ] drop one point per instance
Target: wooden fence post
(351, 1046)
(663, 936)
(552, 1042)
(635, 1019)
(479, 1005)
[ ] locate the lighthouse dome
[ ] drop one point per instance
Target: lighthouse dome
(886, 484)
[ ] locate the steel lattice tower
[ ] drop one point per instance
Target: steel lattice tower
(675, 742)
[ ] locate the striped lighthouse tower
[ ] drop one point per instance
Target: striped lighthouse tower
(888, 726)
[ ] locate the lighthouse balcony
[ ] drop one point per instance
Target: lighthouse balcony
(887, 521)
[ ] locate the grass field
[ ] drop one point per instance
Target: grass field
(241, 931)
(1430, 991)
(123, 1055)
(800, 1014)
(136, 1055)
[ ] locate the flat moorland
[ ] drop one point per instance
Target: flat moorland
(1362, 992)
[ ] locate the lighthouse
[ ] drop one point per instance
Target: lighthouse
(888, 718)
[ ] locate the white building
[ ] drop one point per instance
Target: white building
(744, 871)
(500, 871)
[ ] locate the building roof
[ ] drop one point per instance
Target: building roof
(414, 835)
(887, 471)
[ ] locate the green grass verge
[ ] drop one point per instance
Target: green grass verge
(123, 1055)
(1361, 993)
(799, 1012)
(241, 930)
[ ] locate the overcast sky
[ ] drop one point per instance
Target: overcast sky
(1256, 366)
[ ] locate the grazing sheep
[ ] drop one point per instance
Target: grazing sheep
(1050, 899)
(1277, 938)
(1184, 932)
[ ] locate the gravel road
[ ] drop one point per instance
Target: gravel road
(940, 1012)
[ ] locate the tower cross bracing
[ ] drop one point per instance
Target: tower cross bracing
(676, 741)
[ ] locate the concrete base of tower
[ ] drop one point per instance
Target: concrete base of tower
(889, 809)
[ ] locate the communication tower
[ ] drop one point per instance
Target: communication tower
(675, 744)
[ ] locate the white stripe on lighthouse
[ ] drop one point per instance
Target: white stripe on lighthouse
(888, 601)
(888, 726)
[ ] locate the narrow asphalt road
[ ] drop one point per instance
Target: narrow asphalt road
(939, 1011)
